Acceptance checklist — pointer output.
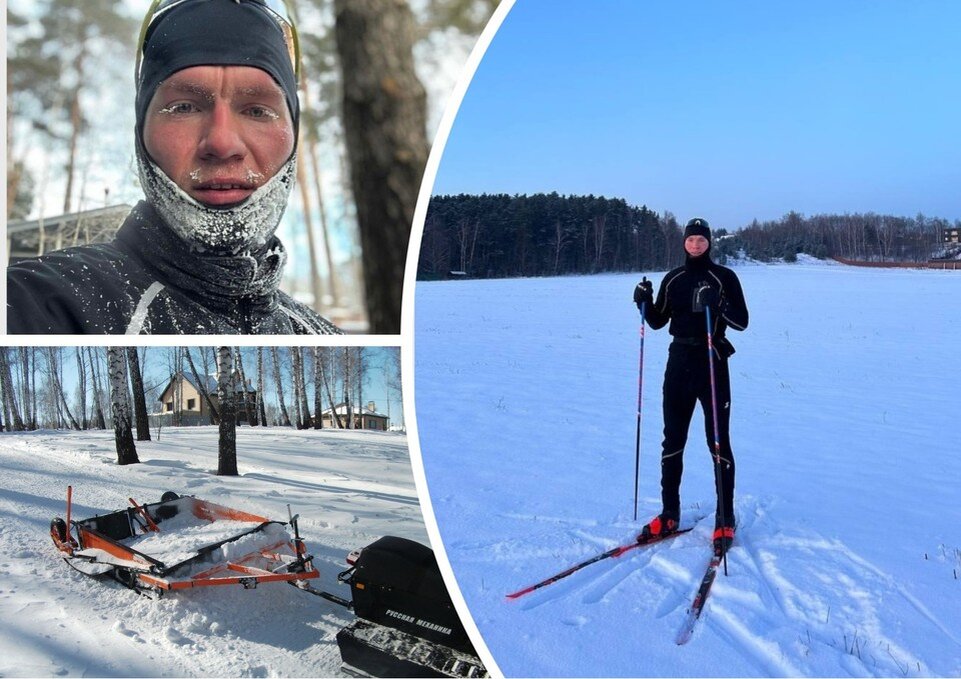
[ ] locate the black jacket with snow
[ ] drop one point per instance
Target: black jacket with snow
(675, 301)
(148, 281)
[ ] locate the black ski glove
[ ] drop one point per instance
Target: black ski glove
(644, 293)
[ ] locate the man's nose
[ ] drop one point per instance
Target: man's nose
(222, 136)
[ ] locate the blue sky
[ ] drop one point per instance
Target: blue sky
(731, 111)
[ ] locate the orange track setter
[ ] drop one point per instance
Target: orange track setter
(182, 543)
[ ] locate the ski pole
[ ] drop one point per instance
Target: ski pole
(717, 436)
(640, 386)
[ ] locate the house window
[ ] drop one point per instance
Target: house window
(169, 406)
(191, 403)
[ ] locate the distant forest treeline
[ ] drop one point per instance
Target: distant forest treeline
(497, 236)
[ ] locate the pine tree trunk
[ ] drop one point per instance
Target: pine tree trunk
(139, 398)
(120, 403)
(284, 417)
(385, 122)
(227, 455)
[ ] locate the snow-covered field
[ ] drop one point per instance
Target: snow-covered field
(349, 488)
(846, 390)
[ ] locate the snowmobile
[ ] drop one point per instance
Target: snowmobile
(406, 625)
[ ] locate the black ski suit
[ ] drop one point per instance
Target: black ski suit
(148, 281)
(687, 377)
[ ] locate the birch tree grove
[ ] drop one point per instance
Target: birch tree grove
(78, 388)
(227, 449)
(120, 405)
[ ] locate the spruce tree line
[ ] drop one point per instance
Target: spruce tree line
(497, 236)
(500, 236)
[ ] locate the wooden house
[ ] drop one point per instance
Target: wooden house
(182, 400)
(363, 417)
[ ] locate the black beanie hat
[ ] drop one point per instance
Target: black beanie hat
(214, 33)
(698, 227)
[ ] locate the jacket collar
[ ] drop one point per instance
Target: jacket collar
(219, 282)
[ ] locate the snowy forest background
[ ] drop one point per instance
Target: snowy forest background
(70, 126)
(500, 235)
(83, 387)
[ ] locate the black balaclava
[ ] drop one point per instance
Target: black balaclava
(216, 33)
(698, 227)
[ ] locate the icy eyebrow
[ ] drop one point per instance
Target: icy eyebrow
(188, 87)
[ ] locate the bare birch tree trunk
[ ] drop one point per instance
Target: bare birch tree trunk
(284, 417)
(227, 451)
(54, 361)
(202, 386)
(82, 388)
(9, 398)
(249, 408)
(260, 386)
(385, 123)
(327, 353)
(100, 421)
(318, 393)
(29, 415)
(300, 387)
(139, 397)
(120, 405)
(347, 408)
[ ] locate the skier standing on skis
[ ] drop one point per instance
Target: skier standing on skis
(682, 298)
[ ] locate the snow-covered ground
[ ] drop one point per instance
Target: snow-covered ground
(349, 488)
(845, 427)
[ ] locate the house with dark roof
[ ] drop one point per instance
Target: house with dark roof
(183, 401)
(362, 417)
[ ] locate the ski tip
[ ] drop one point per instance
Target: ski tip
(516, 595)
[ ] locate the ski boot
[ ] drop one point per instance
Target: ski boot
(723, 537)
(660, 526)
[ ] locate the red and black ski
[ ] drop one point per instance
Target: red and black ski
(694, 612)
(611, 553)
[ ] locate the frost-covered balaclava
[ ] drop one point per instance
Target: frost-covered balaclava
(220, 33)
